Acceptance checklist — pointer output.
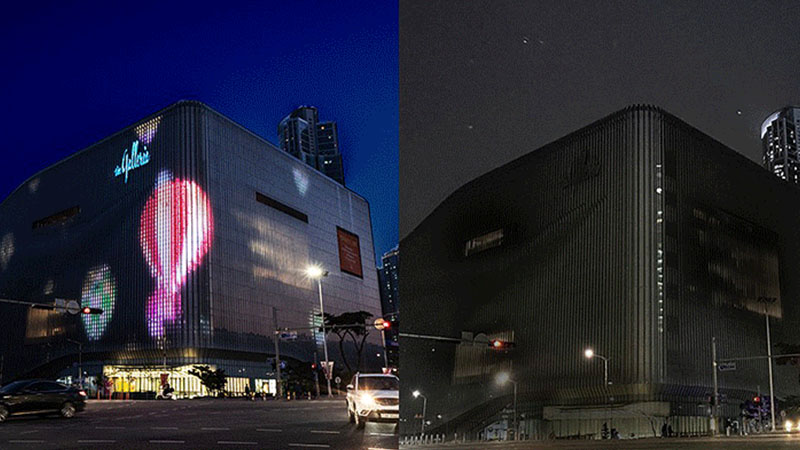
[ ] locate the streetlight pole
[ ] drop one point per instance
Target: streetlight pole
(424, 408)
(714, 406)
(516, 424)
(589, 353)
(770, 300)
(318, 273)
(502, 378)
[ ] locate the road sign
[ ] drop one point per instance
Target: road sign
(328, 370)
(73, 307)
(726, 366)
(337, 380)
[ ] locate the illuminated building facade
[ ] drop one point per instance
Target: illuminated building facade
(316, 143)
(192, 234)
(637, 236)
(780, 144)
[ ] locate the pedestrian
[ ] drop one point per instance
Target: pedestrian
(669, 430)
(604, 431)
(664, 430)
(247, 392)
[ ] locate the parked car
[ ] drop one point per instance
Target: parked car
(40, 397)
(373, 397)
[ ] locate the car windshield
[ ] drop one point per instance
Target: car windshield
(13, 387)
(379, 383)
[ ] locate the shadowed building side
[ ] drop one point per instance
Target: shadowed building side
(637, 236)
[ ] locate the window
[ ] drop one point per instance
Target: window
(286, 209)
(46, 386)
(58, 218)
(484, 242)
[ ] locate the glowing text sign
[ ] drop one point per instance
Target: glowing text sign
(132, 161)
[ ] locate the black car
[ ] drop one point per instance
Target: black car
(40, 397)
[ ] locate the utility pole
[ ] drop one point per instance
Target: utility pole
(275, 338)
(316, 374)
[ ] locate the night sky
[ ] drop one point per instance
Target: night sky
(484, 82)
(76, 72)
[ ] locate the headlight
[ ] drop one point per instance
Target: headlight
(798, 426)
(788, 425)
(367, 400)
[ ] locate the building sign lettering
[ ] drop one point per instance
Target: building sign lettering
(132, 161)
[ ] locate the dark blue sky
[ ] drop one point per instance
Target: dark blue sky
(75, 72)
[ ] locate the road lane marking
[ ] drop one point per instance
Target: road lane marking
(381, 434)
(324, 432)
(215, 429)
(109, 428)
(237, 443)
(310, 445)
(269, 430)
(25, 441)
(96, 441)
(29, 432)
(166, 441)
(163, 428)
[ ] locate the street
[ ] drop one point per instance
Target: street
(776, 441)
(199, 424)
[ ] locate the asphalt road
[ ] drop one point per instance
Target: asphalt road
(778, 441)
(199, 424)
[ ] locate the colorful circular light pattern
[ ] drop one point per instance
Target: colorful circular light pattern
(99, 291)
(175, 233)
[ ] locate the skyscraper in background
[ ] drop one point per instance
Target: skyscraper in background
(316, 143)
(779, 141)
(387, 277)
(390, 308)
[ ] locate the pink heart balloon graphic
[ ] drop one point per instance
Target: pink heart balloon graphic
(175, 233)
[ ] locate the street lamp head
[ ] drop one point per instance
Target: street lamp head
(415, 394)
(503, 378)
(589, 353)
(314, 271)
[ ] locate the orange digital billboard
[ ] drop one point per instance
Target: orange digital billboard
(349, 253)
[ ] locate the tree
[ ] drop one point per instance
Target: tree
(353, 325)
(213, 379)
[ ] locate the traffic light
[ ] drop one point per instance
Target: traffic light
(313, 366)
(499, 344)
(88, 310)
(757, 400)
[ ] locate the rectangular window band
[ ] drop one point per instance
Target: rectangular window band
(57, 218)
(286, 209)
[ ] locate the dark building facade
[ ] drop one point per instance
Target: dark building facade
(780, 144)
(316, 143)
(192, 234)
(388, 281)
(637, 236)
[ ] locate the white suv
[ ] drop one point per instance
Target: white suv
(373, 396)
